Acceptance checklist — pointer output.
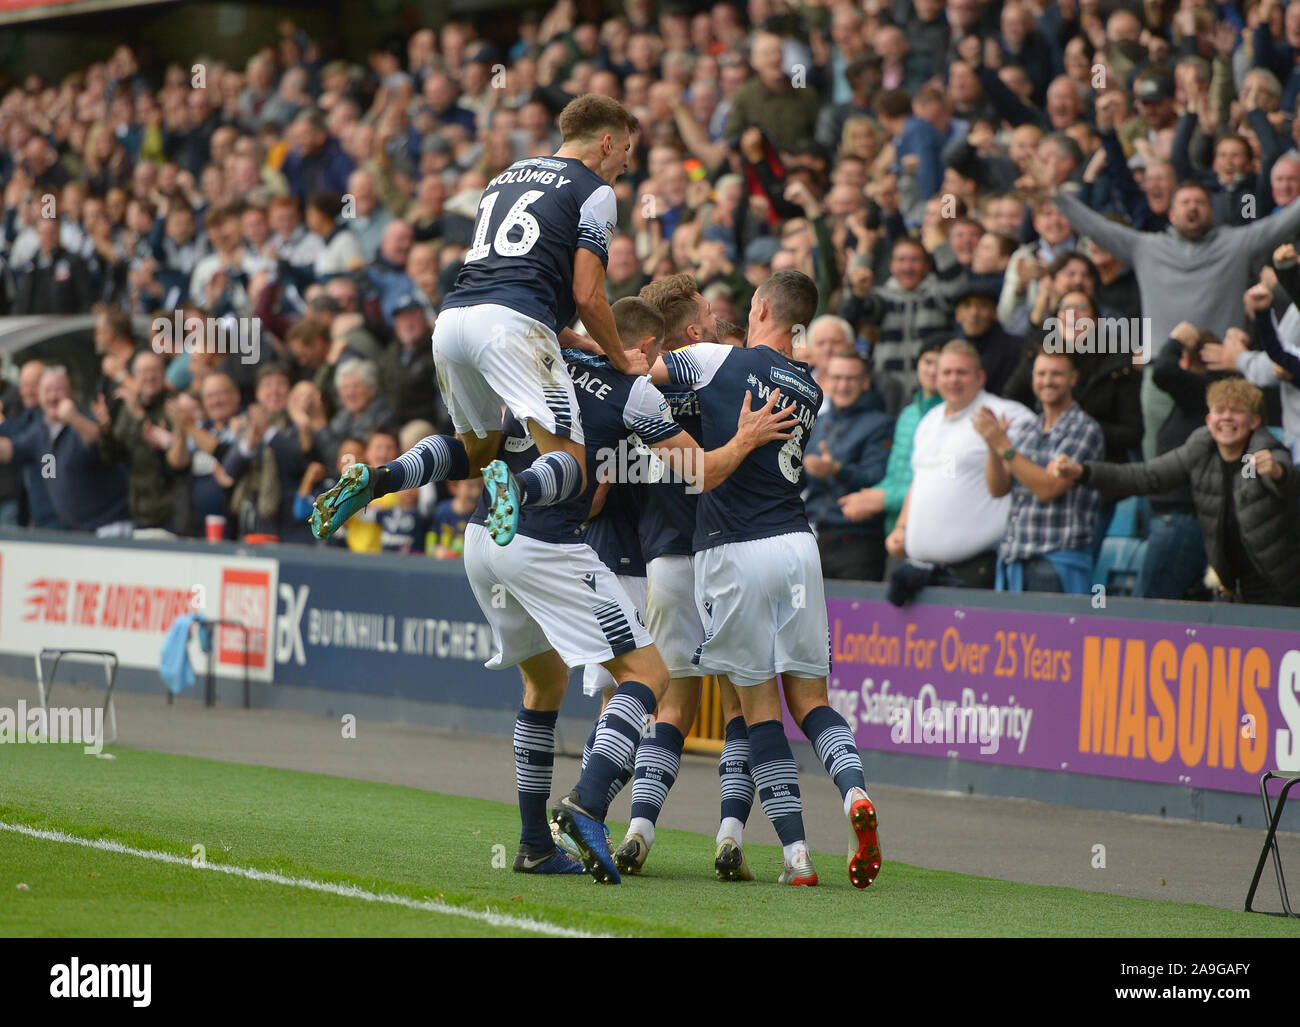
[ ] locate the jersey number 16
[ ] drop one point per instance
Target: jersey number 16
(516, 217)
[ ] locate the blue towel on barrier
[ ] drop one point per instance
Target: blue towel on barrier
(1073, 567)
(174, 664)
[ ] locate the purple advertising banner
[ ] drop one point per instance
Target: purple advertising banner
(1205, 706)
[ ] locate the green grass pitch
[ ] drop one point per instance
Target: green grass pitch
(426, 846)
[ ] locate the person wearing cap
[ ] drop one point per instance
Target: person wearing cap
(976, 313)
(406, 371)
(1153, 95)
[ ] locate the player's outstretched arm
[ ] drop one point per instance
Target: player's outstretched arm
(755, 428)
(569, 339)
(593, 308)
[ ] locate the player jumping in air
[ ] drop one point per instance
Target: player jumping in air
(553, 605)
(537, 256)
(758, 579)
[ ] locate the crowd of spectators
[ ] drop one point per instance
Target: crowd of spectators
(974, 186)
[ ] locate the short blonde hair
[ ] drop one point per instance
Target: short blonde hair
(964, 348)
(1234, 392)
(412, 432)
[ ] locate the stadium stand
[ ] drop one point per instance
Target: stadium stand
(290, 225)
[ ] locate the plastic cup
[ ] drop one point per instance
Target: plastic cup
(214, 527)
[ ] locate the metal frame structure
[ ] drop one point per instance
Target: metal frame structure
(210, 684)
(1272, 817)
(110, 675)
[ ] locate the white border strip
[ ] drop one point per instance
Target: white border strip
(349, 891)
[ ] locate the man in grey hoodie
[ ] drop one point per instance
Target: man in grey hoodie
(1193, 271)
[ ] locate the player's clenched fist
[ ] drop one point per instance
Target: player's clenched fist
(1266, 466)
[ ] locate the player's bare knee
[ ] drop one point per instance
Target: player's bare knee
(545, 680)
(730, 701)
(644, 665)
(480, 452)
(680, 704)
(543, 695)
(675, 716)
(760, 703)
(803, 695)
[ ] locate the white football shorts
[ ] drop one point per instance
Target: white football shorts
(671, 613)
(764, 609)
(487, 355)
(546, 595)
(595, 678)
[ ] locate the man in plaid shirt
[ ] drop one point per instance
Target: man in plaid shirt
(1048, 542)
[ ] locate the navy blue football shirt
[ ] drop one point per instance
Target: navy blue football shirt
(762, 498)
(531, 219)
(615, 408)
(614, 533)
(668, 518)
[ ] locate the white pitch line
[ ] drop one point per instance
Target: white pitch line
(349, 891)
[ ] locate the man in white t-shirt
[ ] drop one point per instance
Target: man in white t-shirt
(949, 517)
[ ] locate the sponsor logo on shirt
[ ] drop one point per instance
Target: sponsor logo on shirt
(793, 383)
